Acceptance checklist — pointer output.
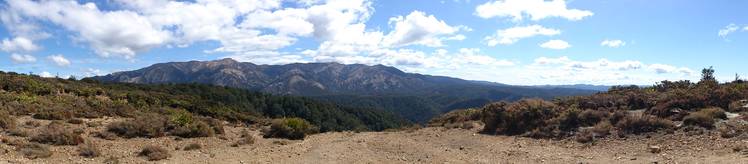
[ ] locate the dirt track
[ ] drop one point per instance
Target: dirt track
(427, 145)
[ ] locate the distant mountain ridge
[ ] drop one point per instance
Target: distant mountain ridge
(295, 79)
(417, 97)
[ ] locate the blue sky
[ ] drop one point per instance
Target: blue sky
(523, 42)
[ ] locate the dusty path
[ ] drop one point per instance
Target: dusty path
(427, 145)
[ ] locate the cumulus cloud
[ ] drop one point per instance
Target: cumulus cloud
(534, 9)
(22, 58)
(612, 43)
(59, 60)
(418, 28)
(555, 44)
(514, 34)
(727, 30)
(109, 33)
(18, 44)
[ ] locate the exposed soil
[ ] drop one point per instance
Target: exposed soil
(426, 145)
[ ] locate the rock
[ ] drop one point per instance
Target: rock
(655, 149)
(462, 148)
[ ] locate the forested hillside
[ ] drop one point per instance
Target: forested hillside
(415, 97)
(65, 98)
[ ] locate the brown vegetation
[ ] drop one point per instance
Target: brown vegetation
(57, 134)
(290, 128)
(154, 153)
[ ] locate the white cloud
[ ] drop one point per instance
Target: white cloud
(18, 44)
(535, 9)
(22, 58)
(94, 72)
(555, 44)
(514, 34)
(109, 33)
(418, 28)
(662, 69)
(613, 43)
(46, 74)
(727, 30)
(59, 60)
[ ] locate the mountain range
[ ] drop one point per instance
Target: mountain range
(416, 97)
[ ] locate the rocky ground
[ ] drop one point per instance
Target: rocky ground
(425, 145)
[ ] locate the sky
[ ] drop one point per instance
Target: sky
(520, 42)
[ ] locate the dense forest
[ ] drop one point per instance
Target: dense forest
(65, 98)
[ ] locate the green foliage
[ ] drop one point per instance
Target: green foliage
(290, 128)
(518, 118)
(58, 99)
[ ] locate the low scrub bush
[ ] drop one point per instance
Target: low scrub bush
(194, 129)
(456, 117)
(154, 153)
(244, 139)
(89, 150)
(192, 146)
(704, 117)
(643, 124)
(34, 150)
(146, 125)
(290, 128)
(734, 128)
(56, 114)
(57, 134)
(517, 118)
(6, 120)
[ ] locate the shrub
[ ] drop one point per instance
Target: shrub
(34, 150)
(6, 120)
(643, 124)
(290, 128)
(738, 106)
(457, 117)
(106, 135)
(591, 117)
(89, 150)
(146, 125)
(154, 153)
(699, 119)
(57, 114)
(57, 134)
(32, 123)
(75, 121)
(18, 132)
(194, 129)
(244, 139)
(517, 118)
(602, 128)
(216, 124)
(733, 128)
(192, 146)
(704, 117)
